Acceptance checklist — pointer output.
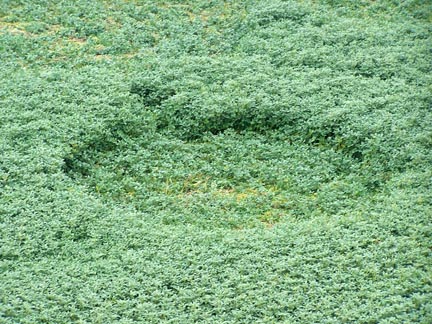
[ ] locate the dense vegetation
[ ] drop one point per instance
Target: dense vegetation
(215, 161)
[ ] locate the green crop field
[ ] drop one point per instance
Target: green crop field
(215, 161)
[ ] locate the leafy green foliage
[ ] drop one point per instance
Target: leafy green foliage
(215, 162)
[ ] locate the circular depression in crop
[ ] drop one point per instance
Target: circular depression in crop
(283, 115)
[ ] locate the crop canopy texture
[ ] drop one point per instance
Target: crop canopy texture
(215, 161)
